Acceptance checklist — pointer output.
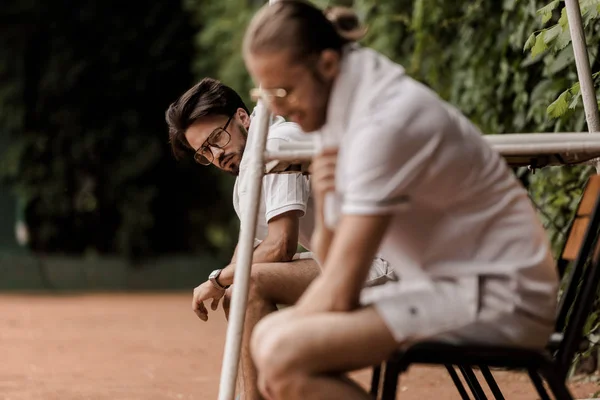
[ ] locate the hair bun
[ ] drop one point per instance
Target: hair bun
(346, 22)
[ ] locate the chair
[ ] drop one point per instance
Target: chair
(581, 283)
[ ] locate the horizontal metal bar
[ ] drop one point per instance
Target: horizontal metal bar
(515, 138)
(509, 144)
(290, 155)
(547, 148)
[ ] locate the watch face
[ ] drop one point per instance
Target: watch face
(214, 274)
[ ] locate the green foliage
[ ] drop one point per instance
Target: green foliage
(556, 191)
(83, 95)
(554, 42)
(219, 41)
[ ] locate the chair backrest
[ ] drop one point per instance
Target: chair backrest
(583, 278)
(578, 247)
(578, 228)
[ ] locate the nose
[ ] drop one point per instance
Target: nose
(217, 152)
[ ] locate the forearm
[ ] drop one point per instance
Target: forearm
(322, 235)
(349, 259)
(273, 251)
(266, 252)
(321, 242)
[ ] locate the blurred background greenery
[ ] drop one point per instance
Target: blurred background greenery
(84, 158)
(85, 167)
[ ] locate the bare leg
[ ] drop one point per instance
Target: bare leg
(302, 356)
(270, 284)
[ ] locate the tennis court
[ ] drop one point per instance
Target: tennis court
(148, 346)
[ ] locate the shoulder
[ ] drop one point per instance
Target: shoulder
(285, 130)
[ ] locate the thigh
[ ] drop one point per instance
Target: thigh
(417, 310)
(327, 342)
(284, 282)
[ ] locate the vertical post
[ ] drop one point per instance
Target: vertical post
(239, 298)
(584, 72)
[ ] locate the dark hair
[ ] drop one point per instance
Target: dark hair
(209, 97)
(304, 29)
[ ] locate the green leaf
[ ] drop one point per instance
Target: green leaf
(546, 11)
(590, 11)
(562, 40)
(562, 60)
(564, 19)
(573, 104)
(560, 105)
(575, 92)
(530, 42)
(552, 33)
(540, 45)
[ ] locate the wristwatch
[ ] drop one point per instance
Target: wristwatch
(213, 278)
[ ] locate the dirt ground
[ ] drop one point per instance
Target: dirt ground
(148, 346)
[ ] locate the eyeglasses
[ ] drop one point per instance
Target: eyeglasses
(218, 138)
(271, 95)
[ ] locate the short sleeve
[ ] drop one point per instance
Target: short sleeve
(386, 164)
(285, 192)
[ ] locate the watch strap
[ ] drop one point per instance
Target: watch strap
(213, 279)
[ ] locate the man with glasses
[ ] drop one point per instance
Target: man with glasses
(211, 121)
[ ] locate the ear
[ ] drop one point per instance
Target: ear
(329, 64)
(244, 118)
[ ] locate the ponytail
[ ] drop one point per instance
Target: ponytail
(346, 23)
(301, 29)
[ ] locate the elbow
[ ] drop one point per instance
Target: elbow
(280, 246)
(287, 248)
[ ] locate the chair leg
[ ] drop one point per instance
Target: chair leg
(489, 378)
(375, 381)
(539, 385)
(473, 382)
(557, 385)
(390, 380)
(457, 382)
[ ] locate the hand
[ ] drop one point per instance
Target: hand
(323, 173)
(204, 292)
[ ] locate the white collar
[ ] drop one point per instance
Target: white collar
(341, 98)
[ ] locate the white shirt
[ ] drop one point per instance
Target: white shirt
(280, 192)
(457, 210)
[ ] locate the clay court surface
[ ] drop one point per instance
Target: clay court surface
(147, 346)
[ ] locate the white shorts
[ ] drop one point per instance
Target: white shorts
(380, 271)
(463, 310)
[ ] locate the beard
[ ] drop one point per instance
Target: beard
(234, 159)
(234, 167)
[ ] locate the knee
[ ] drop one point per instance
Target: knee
(256, 289)
(276, 360)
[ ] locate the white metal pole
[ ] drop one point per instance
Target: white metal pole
(584, 72)
(505, 144)
(239, 298)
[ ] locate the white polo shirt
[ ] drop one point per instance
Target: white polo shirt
(456, 209)
(280, 192)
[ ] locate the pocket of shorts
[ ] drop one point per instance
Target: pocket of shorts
(380, 272)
